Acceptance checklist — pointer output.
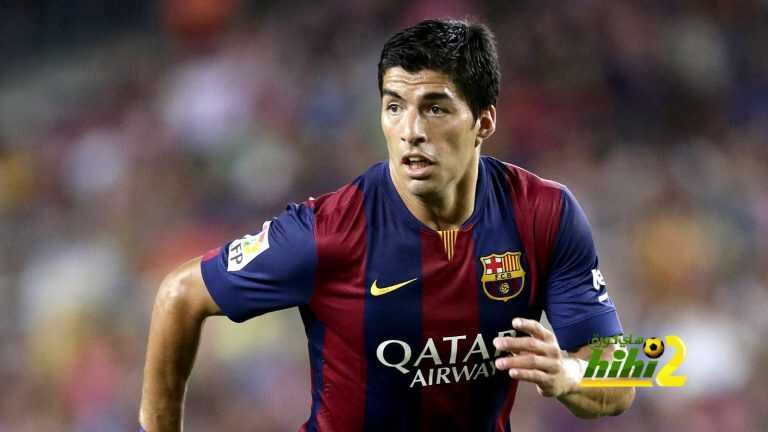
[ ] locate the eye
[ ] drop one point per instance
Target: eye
(393, 108)
(436, 110)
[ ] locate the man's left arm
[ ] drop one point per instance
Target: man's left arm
(537, 358)
(577, 304)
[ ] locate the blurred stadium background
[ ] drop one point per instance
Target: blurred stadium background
(134, 135)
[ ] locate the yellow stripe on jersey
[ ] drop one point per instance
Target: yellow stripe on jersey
(449, 241)
(511, 262)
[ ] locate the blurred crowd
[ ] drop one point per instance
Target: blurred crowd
(128, 151)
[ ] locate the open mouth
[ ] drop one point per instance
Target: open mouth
(417, 167)
(416, 162)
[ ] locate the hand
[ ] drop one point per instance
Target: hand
(538, 359)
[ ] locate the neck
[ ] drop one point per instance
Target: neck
(448, 208)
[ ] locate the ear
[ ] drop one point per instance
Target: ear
(487, 124)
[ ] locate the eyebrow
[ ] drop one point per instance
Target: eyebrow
(436, 96)
(431, 96)
(387, 92)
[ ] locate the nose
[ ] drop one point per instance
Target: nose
(413, 132)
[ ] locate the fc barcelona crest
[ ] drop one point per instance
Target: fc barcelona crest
(503, 275)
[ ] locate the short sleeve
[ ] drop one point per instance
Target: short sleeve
(577, 301)
(268, 271)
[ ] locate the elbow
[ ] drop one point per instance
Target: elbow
(614, 402)
(623, 402)
(584, 414)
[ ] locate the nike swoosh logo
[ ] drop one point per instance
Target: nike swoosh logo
(376, 291)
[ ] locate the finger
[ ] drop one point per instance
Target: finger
(542, 379)
(533, 328)
(528, 344)
(528, 361)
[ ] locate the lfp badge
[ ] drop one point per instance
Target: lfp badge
(503, 275)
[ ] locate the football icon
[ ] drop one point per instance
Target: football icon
(653, 347)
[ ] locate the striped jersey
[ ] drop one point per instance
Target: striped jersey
(400, 318)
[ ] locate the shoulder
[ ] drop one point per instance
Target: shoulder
(528, 190)
(343, 209)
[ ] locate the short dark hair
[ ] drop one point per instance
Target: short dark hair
(464, 51)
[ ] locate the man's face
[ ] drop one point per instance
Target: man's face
(429, 129)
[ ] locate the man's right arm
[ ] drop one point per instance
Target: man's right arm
(181, 305)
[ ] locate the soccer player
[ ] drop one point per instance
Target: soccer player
(417, 280)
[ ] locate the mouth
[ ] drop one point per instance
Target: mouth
(417, 166)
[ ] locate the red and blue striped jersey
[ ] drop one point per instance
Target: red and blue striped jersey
(400, 318)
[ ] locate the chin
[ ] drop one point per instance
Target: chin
(422, 188)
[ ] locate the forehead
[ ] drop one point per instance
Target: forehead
(415, 84)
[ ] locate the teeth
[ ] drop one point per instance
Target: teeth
(416, 159)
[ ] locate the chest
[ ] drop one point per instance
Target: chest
(416, 286)
(458, 281)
